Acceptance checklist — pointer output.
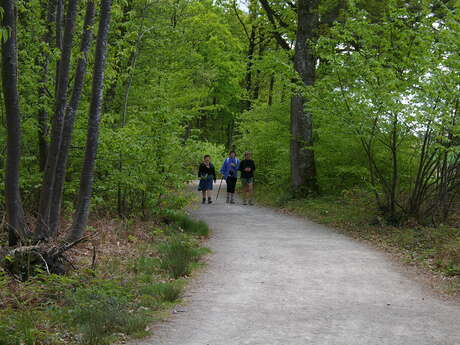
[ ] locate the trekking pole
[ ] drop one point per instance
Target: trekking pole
(219, 187)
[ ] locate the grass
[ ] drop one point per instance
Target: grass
(187, 224)
(354, 213)
(139, 275)
(177, 256)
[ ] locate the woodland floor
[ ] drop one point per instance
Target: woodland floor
(280, 279)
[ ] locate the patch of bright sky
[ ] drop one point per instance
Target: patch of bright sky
(243, 5)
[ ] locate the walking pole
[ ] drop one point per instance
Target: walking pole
(219, 187)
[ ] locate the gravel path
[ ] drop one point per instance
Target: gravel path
(278, 279)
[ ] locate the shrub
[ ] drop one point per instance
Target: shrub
(176, 256)
(164, 292)
(188, 224)
(20, 329)
(100, 311)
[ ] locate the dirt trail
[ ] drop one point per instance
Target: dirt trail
(278, 279)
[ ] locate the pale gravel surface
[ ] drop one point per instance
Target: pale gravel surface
(278, 279)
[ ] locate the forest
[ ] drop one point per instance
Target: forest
(108, 106)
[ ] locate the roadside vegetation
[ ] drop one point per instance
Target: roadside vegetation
(128, 275)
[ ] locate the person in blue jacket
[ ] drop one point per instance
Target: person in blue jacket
(230, 172)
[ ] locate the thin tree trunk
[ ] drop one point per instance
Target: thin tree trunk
(256, 87)
(71, 110)
(59, 24)
(86, 180)
(249, 65)
(43, 230)
(230, 133)
(394, 166)
(120, 203)
(14, 210)
(270, 89)
(303, 168)
(43, 113)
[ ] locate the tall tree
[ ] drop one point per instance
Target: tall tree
(311, 15)
(69, 118)
(14, 210)
(43, 229)
(303, 167)
(86, 180)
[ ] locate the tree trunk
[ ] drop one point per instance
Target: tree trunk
(43, 230)
(14, 210)
(270, 89)
(249, 65)
(394, 167)
(69, 120)
(86, 180)
(59, 27)
(303, 169)
(43, 113)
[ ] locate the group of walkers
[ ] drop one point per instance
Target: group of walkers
(230, 168)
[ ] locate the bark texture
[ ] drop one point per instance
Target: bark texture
(14, 210)
(303, 168)
(86, 180)
(69, 119)
(43, 230)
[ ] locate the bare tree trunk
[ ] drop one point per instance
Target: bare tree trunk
(303, 168)
(86, 180)
(257, 81)
(14, 210)
(59, 27)
(270, 89)
(394, 167)
(249, 65)
(71, 110)
(43, 230)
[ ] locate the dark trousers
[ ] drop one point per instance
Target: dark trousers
(231, 184)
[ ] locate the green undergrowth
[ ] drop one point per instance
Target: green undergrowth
(354, 213)
(139, 276)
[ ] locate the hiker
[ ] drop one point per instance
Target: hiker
(207, 175)
(247, 168)
(230, 172)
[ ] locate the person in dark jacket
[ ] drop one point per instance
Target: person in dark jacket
(247, 168)
(230, 172)
(207, 175)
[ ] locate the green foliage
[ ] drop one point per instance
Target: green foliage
(165, 292)
(265, 132)
(177, 256)
(21, 329)
(102, 310)
(173, 72)
(187, 224)
(102, 305)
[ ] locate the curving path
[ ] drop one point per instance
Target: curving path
(278, 279)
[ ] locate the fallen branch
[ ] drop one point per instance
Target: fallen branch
(19, 261)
